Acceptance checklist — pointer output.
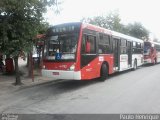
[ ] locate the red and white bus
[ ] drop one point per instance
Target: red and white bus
(79, 51)
(151, 52)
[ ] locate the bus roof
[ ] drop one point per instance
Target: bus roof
(110, 32)
(96, 28)
(100, 29)
(67, 24)
(130, 38)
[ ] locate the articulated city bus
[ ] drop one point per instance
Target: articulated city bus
(79, 51)
(151, 52)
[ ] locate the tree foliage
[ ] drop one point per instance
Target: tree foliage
(112, 21)
(137, 30)
(20, 22)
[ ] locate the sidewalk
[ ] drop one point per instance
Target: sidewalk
(6, 81)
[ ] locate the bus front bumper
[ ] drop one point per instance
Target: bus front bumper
(60, 74)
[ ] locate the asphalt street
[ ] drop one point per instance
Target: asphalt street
(126, 92)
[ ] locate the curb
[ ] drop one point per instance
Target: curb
(23, 86)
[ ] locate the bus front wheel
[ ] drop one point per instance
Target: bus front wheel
(104, 72)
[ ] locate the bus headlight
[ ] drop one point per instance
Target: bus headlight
(44, 67)
(72, 67)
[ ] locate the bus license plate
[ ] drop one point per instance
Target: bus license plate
(55, 73)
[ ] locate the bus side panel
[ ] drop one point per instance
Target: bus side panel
(139, 59)
(124, 62)
(92, 69)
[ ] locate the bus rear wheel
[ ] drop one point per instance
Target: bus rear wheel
(104, 72)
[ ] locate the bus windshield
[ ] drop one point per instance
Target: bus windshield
(62, 46)
(147, 47)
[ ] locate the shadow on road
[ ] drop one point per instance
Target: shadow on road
(71, 85)
(122, 72)
(150, 65)
(62, 86)
(54, 88)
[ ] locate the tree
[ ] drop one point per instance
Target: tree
(110, 21)
(137, 30)
(113, 21)
(20, 21)
(98, 20)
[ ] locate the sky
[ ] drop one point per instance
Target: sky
(130, 11)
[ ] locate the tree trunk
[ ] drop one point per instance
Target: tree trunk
(30, 68)
(28, 59)
(30, 65)
(18, 80)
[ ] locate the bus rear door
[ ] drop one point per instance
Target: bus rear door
(116, 52)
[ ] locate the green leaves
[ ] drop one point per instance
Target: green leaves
(20, 22)
(138, 30)
(112, 21)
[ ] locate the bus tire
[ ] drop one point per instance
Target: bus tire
(104, 72)
(135, 65)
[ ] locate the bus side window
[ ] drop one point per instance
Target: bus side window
(83, 44)
(123, 46)
(104, 44)
(88, 44)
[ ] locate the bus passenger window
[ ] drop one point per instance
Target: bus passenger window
(123, 46)
(104, 44)
(83, 44)
(134, 44)
(88, 44)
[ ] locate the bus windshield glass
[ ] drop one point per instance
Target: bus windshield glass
(147, 47)
(62, 46)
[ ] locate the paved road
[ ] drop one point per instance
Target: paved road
(128, 92)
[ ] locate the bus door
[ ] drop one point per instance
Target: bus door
(116, 52)
(88, 55)
(129, 52)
